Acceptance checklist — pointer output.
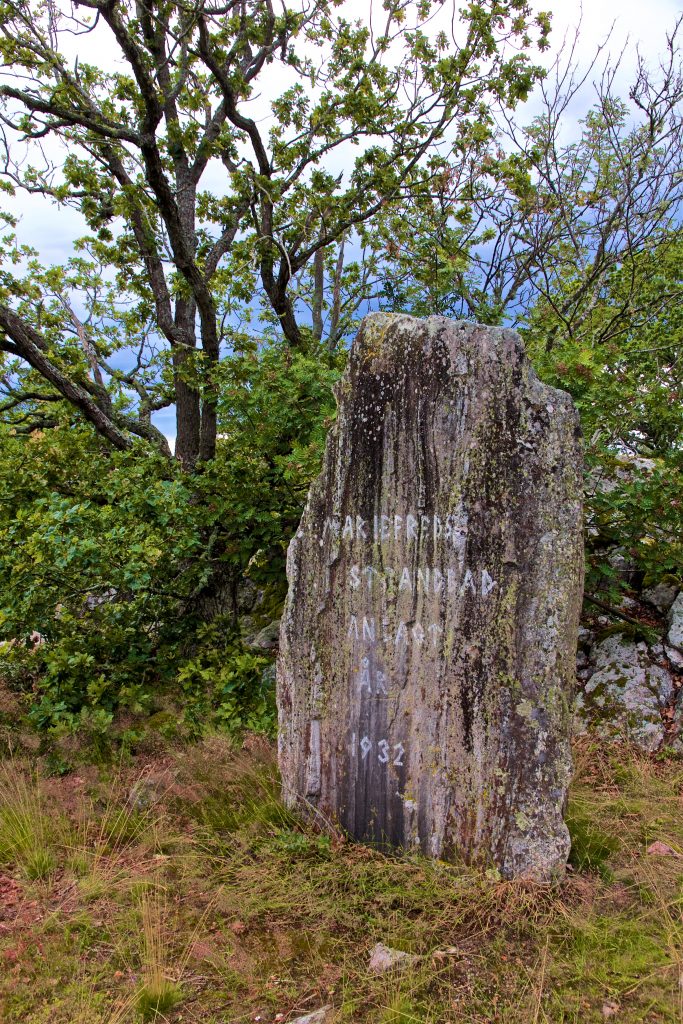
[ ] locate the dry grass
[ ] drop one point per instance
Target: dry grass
(213, 904)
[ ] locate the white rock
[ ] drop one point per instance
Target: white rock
(661, 597)
(626, 694)
(674, 637)
(383, 959)
(317, 1017)
(674, 655)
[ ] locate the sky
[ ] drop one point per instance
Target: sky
(635, 24)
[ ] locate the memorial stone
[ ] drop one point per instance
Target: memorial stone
(428, 642)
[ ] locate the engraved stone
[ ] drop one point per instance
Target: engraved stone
(428, 643)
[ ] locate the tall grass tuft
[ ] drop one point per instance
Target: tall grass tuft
(28, 833)
(163, 964)
(160, 990)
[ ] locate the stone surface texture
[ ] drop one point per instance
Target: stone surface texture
(317, 1017)
(428, 642)
(626, 693)
(661, 596)
(674, 636)
(384, 958)
(266, 639)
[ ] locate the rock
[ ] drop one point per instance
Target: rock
(149, 790)
(674, 655)
(268, 676)
(674, 636)
(627, 693)
(384, 958)
(626, 469)
(660, 849)
(317, 1017)
(661, 597)
(249, 596)
(427, 652)
(267, 639)
(107, 596)
(623, 566)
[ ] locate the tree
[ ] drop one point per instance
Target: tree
(578, 245)
(173, 261)
(204, 202)
(527, 220)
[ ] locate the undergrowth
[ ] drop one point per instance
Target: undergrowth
(183, 891)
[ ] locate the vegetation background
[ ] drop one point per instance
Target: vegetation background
(252, 179)
(228, 258)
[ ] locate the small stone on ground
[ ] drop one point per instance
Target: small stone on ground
(317, 1017)
(383, 958)
(660, 849)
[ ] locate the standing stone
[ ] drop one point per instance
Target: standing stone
(428, 643)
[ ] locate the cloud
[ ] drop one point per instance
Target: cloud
(52, 230)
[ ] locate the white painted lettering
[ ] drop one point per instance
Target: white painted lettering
(411, 527)
(468, 582)
(423, 578)
(354, 577)
(347, 532)
(332, 525)
(434, 629)
(353, 628)
(386, 751)
(398, 522)
(487, 584)
(360, 528)
(368, 629)
(405, 581)
(418, 634)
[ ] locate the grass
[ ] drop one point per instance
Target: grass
(160, 988)
(28, 833)
(212, 903)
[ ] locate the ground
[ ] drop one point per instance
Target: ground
(177, 885)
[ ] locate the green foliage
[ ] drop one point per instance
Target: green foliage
(123, 569)
(226, 684)
(121, 574)
(626, 378)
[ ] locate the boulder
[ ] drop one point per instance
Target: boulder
(661, 596)
(384, 958)
(427, 652)
(627, 693)
(674, 636)
(320, 1016)
(266, 639)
